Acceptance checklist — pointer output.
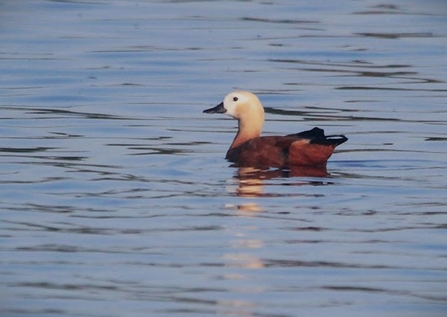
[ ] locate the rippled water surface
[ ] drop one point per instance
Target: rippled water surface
(116, 199)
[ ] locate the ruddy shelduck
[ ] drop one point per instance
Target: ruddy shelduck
(307, 148)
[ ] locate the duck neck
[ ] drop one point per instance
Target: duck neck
(247, 132)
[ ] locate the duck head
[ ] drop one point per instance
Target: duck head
(247, 109)
(239, 104)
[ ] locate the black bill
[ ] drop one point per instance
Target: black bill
(217, 109)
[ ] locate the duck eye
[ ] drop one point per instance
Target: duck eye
(235, 99)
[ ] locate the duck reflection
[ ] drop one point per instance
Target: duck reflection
(251, 180)
(246, 246)
(250, 184)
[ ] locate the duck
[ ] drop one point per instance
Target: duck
(249, 149)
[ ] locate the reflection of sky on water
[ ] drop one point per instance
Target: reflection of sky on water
(115, 196)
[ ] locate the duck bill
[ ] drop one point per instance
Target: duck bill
(217, 109)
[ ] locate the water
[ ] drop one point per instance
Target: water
(115, 196)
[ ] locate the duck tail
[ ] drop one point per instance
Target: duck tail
(317, 136)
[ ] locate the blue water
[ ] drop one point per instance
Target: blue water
(116, 199)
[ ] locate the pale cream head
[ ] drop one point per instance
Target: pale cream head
(247, 109)
(243, 105)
